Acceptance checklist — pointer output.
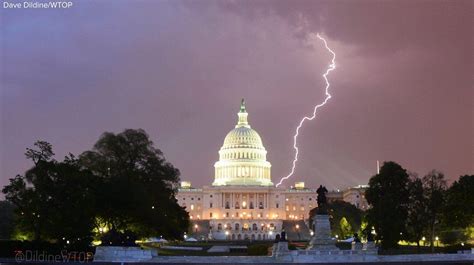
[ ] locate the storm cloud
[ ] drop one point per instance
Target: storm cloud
(402, 89)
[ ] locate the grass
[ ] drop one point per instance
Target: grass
(410, 249)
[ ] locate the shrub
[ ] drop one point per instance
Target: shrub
(453, 237)
(258, 250)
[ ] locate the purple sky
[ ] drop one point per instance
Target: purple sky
(402, 89)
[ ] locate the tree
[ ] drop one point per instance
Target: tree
(417, 211)
(345, 228)
(7, 224)
(435, 187)
(458, 215)
(458, 211)
(29, 193)
(43, 153)
(53, 200)
(137, 186)
(72, 203)
(388, 196)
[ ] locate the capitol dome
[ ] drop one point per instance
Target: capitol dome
(242, 157)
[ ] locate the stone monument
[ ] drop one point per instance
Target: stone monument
(123, 254)
(322, 239)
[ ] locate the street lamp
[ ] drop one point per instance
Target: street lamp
(196, 227)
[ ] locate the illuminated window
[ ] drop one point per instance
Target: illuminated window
(192, 207)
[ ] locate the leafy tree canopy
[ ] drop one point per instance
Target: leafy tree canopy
(53, 200)
(124, 187)
(7, 224)
(388, 196)
(417, 210)
(459, 209)
(137, 186)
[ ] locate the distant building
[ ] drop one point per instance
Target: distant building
(356, 196)
(242, 202)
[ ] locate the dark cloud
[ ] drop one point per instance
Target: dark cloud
(402, 90)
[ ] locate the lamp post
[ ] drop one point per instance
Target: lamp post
(298, 230)
(196, 228)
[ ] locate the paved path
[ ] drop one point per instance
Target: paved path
(324, 259)
(438, 259)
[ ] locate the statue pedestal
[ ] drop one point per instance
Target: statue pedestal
(281, 249)
(356, 246)
(281, 252)
(322, 234)
(123, 254)
(370, 248)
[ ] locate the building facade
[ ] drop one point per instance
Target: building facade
(242, 202)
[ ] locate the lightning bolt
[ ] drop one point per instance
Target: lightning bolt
(331, 67)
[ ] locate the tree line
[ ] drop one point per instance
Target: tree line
(120, 190)
(404, 206)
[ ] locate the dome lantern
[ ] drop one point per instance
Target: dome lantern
(242, 122)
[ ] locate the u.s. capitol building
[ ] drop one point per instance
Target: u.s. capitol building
(243, 202)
